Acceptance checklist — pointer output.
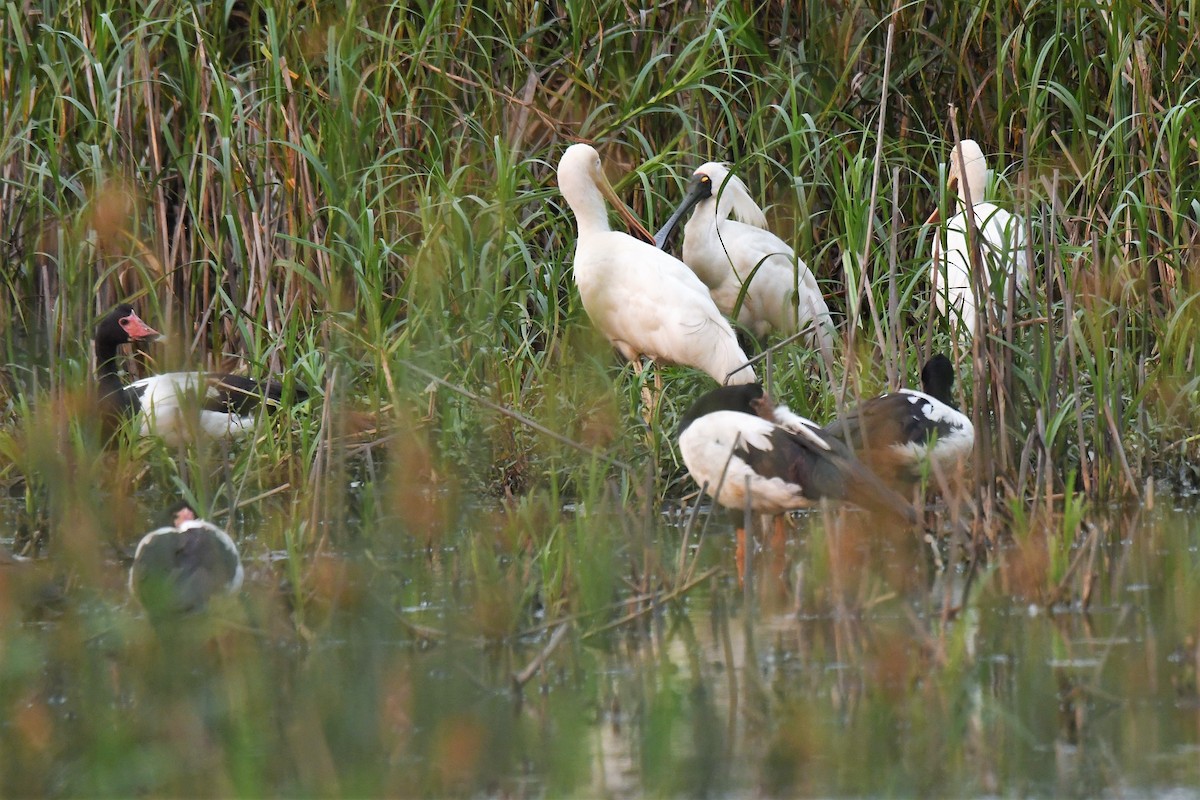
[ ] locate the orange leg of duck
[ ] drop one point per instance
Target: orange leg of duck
(776, 551)
(775, 587)
(779, 536)
(739, 556)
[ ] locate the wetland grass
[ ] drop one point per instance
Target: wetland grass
(441, 599)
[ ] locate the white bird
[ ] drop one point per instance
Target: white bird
(727, 244)
(1001, 240)
(899, 433)
(178, 406)
(645, 302)
(180, 567)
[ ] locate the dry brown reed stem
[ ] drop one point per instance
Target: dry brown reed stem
(686, 566)
(891, 356)
(1062, 593)
(1069, 329)
(320, 483)
(981, 407)
(650, 601)
(519, 679)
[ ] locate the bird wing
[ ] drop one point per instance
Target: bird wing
(237, 394)
(1004, 240)
(718, 449)
(801, 426)
(950, 273)
(783, 293)
(783, 469)
(203, 569)
(161, 398)
(893, 432)
(873, 423)
(832, 473)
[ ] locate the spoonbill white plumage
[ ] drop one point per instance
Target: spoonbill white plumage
(1001, 240)
(727, 244)
(645, 301)
(898, 433)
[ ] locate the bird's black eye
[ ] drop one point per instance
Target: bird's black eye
(125, 322)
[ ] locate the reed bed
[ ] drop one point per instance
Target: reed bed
(362, 198)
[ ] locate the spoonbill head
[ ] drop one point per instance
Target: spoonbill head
(733, 199)
(727, 244)
(967, 173)
(583, 184)
(645, 301)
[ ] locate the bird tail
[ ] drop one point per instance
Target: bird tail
(864, 488)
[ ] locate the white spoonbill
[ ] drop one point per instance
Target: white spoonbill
(726, 243)
(897, 434)
(1001, 242)
(645, 301)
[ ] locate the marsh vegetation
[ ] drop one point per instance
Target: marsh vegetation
(471, 566)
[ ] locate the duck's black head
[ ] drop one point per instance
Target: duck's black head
(937, 378)
(122, 325)
(178, 513)
(724, 398)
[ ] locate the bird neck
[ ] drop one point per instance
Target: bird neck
(708, 213)
(976, 183)
(588, 206)
(114, 401)
(940, 390)
(107, 361)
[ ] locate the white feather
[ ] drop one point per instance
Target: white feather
(171, 409)
(801, 426)
(644, 300)
(226, 541)
(783, 294)
(707, 447)
(1002, 244)
(948, 450)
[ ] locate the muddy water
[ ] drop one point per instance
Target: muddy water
(786, 690)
